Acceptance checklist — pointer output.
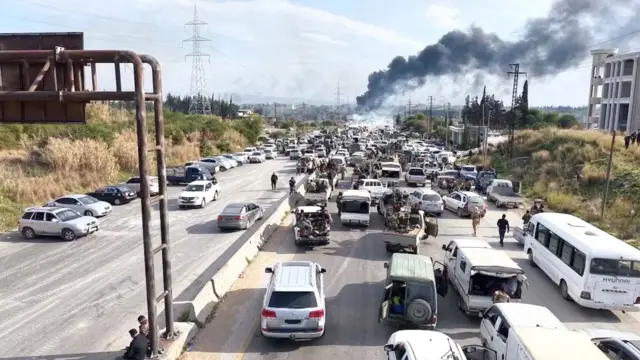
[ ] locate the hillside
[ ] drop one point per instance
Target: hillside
(568, 168)
(41, 162)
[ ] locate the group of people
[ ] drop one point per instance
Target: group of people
(633, 138)
(274, 183)
(140, 346)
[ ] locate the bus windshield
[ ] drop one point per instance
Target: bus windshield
(614, 267)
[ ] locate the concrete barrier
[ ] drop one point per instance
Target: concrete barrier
(234, 261)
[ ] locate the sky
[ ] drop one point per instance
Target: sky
(298, 49)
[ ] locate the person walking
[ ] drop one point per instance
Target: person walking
(503, 228)
(274, 179)
(475, 220)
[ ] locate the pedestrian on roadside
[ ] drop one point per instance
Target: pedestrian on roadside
(274, 179)
(503, 228)
(138, 348)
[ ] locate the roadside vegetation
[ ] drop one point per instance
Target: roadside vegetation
(568, 167)
(41, 162)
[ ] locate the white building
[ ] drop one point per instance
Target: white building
(614, 91)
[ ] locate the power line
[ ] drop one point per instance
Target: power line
(200, 103)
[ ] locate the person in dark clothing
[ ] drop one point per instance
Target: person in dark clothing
(627, 140)
(339, 202)
(503, 228)
(292, 186)
(274, 179)
(331, 176)
(138, 347)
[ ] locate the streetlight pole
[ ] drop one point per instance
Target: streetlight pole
(608, 179)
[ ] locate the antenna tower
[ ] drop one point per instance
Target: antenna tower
(199, 97)
(338, 96)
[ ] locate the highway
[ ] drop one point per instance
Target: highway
(60, 298)
(354, 284)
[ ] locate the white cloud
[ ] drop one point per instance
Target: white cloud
(443, 16)
(322, 39)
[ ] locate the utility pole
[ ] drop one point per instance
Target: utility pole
(514, 97)
(446, 126)
(275, 111)
(410, 107)
(338, 96)
(200, 103)
(430, 114)
(603, 206)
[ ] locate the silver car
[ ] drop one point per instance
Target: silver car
(84, 204)
(239, 216)
(294, 303)
(239, 160)
(55, 221)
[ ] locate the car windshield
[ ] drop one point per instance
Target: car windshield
(476, 200)
(292, 300)
(268, 151)
(124, 189)
(468, 168)
(416, 172)
(614, 267)
(88, 200)
(249, 149)
(431, 197)
(67, 215)
(228, 156)
(195, 188)
(233, 210)
(354, 206)
(256, 153)
(240, 154)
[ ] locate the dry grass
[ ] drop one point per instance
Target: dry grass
(47, 168)
(568, 168)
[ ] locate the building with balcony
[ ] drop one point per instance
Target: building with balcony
(614, 91)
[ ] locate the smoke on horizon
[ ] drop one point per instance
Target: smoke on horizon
(547, 46)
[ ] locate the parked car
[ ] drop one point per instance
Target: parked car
(242, 155)
(239, 216)
(239, 160)
(84, 204)
(184, 175)
(257, 157)
(114, 194)
(134, 184)
(198, 193)
(270, 154)
(56, 221)
(294, 302)
(210, 166)
(209, 162)
(229, 163)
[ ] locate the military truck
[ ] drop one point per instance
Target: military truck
(311, 227)
(405, 227)
(317, 191)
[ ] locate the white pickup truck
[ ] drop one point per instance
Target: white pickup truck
(477, 273)
(416, 175)
(198, 194)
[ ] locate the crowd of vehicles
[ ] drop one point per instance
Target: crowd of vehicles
(590, 267)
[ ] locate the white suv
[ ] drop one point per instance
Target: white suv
(294, 303)
(56, 221)
(428, 201)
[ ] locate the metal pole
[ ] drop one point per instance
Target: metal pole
(149, 269)
(608, 180)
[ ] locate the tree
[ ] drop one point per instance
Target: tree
(567, 121)
(398, 120)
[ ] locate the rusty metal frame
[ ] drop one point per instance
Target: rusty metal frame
(51, 61)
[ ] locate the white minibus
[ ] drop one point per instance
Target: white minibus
(591, 267)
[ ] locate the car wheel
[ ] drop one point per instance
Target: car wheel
(564, 291)
(459, 212)
(68, 235)
(117, 202)
(88, 213)
(203, 203)
(28, 233)
(223, 169)
(531, 261)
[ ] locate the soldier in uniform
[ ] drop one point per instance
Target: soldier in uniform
(305, 225)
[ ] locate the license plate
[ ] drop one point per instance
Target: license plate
(292, 322)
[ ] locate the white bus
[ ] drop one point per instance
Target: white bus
(591, 267)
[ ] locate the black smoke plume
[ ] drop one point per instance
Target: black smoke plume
(546, 47)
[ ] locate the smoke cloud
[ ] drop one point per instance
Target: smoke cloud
(547, 46)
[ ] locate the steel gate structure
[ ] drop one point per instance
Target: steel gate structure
(42, 81)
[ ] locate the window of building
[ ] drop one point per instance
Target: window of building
(625, 89)
(607, 70)
(605, 91)
(628, 67)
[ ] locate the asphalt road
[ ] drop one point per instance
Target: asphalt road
(59, 298)
(354, 284)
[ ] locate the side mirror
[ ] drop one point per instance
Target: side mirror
(386, 265)
(444, 247)
(388, 347)
(469, 349)
(323, 270)
(268, 270)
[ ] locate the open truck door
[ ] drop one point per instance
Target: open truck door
(384, 304)
(431, 225)
(442, 284)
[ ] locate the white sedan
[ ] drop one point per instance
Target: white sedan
(198, 194)
(257, 157)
